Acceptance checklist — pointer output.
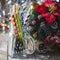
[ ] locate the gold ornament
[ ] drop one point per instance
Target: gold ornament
(33, 5)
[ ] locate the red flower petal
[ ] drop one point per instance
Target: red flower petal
(44, 15)
(48, 3)
(41, 9)
(57, 14)
(50, 19)
(56, 6)
(38, 8)
(51, 2)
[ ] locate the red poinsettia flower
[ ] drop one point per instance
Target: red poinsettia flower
(41, 9)
(50, 18)
(48, 3)
(51, 2)
(49, 10)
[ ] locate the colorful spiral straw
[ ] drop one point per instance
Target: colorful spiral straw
(14, 25)
(19, 23)
(13, 21)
